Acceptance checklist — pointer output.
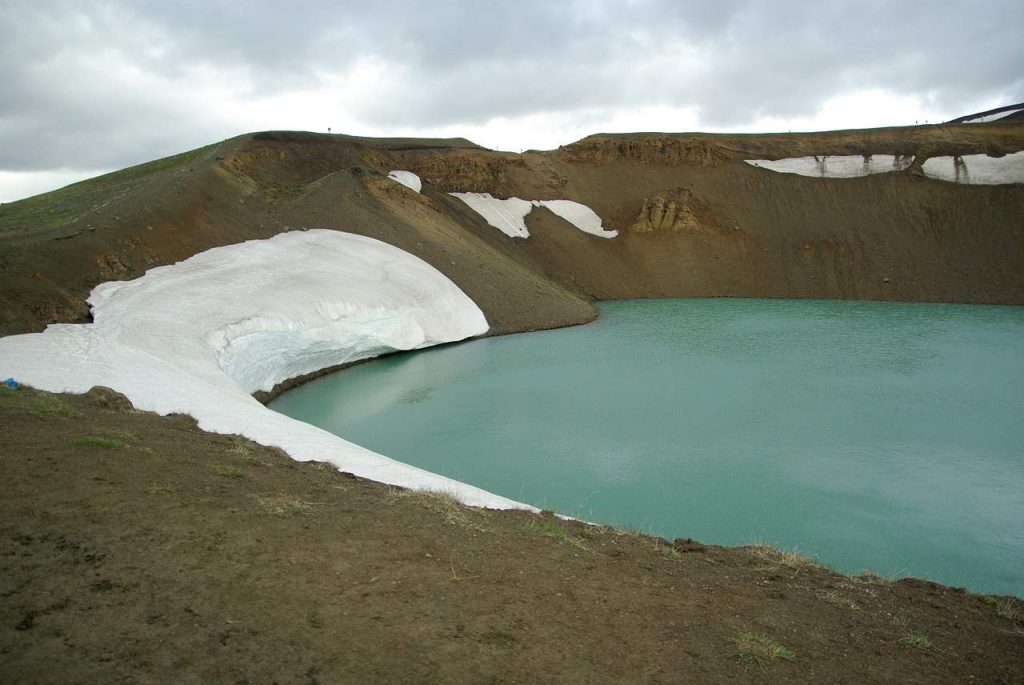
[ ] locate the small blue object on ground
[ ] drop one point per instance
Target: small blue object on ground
(11, 383)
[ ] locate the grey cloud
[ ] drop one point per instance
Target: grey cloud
(777, 59)
(786, 60)
(465, 62)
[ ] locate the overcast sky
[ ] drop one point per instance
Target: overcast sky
(89, 87)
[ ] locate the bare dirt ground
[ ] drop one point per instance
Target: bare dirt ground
(139, 549)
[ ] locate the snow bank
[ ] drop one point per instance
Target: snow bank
(407, 179)
(839, 166)
(199, 336)
(579, 215)
(977, 169)
(996, 116)
(972, 169)
(509, 216)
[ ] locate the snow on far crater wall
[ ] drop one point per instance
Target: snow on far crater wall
(509, 216)
(971, 169)
(995, 116)
(407, 179)
(977, 169)
(839, 166)
(199, 336)
(579, 215)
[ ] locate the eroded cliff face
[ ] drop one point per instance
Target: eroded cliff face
(651, 149)
(457, 172)
(677, 210)
(694, 219)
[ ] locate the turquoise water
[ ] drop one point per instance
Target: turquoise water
(876, 436)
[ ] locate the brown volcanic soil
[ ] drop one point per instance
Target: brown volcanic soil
(137, 548)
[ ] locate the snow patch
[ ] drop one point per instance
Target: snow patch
(977, 169)
(837, 166)
(971, 169)
(509, 216)
(199, 336)
(996, 116)
(579, 215)
(407, 179)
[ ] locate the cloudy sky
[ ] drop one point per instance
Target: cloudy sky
(89, 87)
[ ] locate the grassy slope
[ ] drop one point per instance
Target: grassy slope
(74, 203)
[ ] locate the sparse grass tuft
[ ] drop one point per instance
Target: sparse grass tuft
(782, 558)
(916, 640)
(667, 550)
(125, 436)
(159, 489)
(757, 649)
(240, 446)
(97, 441)
(283, 505)
(51, 405)
(40, 404)
(624, 531)
(837, 598)
(230, 472)
(252, 453)
(454, 512)
(553, 529)
(1010, 608)
(868, 577)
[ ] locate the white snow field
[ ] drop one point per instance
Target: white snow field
(579, 215)
(838, 166)
(977, 169)
(509, 216)
(974, 169)
(407, 179)
(199, 336)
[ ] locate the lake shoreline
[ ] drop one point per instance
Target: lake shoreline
(794, 422)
